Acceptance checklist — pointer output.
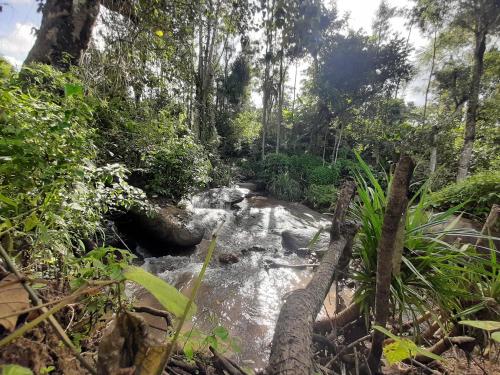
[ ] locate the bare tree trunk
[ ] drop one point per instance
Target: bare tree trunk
(433, 158)
(385, 250)
(472, 105)
(64, 33)
(267, 74)
(281, 89)
(291, 347)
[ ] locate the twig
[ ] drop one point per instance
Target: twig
(52, 320)
(414, 361)
(72, 317)
(156, 312)
(344, 349)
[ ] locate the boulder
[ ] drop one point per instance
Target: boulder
(223, 197)
(170, 227)
(228, 258)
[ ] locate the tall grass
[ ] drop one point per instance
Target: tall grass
(435, 275)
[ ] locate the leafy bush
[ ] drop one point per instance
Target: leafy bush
(273, 165)
(286, 188)
(321, 196)
(177, 169)
(302, 165)
(324, 175)
(431, 272)
(51, 192)
(478, 193)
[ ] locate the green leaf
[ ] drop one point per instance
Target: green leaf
(15, 370)
(159, 33)
(399, 350)
(7, 200)
(71, 89)
(221, 333)
(31, 222)
(170, 298)
(487, 325)
(496, 336)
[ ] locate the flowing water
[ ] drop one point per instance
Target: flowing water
(245, 297)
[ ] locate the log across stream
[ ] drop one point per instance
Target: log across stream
(246, 296)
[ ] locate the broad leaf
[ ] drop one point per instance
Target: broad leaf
(496, 336)
(170, 298)
(14, 298)
(15, 370)
(487, 325)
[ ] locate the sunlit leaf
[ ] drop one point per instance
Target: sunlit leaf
(31, 222)
(487, 325)
(170, 298)
(15, 370)
(496, 336)
(159, 33)
(71, 89)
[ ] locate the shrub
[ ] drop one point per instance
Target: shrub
(286, 188)
(321, 196)
(477, 194)
(177, 169)
(51, 192)
(302, 165)
(273, 165)
(324, 175)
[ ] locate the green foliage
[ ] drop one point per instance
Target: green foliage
(284, 187)
(178, 169)
(15, 370)
(478, 193)
(402, 348)
(170, 298)
(52, 192)
(433, 272)
(321, 196)
(324, 175)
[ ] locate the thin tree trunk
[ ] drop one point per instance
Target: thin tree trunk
(385, 250)
(433, 157)
(291, 346)
(281, 89)
(472, 105)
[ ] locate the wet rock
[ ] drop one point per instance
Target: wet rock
(228, 258)
(223, 197)
(169, 227)
(256, 249)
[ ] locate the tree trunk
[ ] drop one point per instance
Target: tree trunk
(472, 105)
(291, 346)
(433, 157)
(385, 250)
(281, 89)
(64, 33)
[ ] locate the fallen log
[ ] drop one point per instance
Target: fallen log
(291, 347)
(345, 316)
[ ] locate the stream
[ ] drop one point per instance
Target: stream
(245, 297)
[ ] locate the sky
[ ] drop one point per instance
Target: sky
(19, 17)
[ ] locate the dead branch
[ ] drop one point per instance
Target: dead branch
(291, 347)
(345, 316)
(443, 345)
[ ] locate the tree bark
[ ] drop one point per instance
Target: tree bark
(291, 347)
(64, 33)
(392, 217)
(472, 105)
(67, 27)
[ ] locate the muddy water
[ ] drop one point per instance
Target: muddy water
(245, 297)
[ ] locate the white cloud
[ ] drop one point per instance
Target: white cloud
(15, 45)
